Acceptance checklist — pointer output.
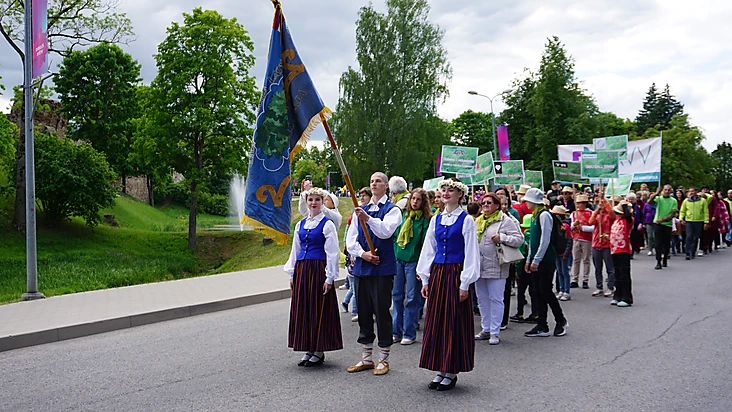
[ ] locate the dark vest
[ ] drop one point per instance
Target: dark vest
(312, 241)
(450, 241)
(384, 247)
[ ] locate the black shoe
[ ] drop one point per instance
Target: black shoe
(476, 310)
(303, 362)
(561, 329)
(665, 263)
(688, 257)
(434, 385)
(449, 386)
(658, 266)
(532, 319)
(573, 285)
(319, 362)
(536, 332)
(585, 285)
(517, 318)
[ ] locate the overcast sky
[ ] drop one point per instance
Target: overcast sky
(620, 47)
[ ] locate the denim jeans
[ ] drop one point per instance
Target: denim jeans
(351, 293)
(406, 297)
(600, 256)
(693, 232)
(563, 265)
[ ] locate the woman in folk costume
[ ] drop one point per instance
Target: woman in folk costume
(448, 265)
(622, 251)
(329, 205)
(315, 326)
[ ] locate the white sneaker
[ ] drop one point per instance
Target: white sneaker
(406, 341)
(559, 295)
(609, 293)
(650, 253)
(494, 340)
(483, 336)
(354, 319)
(613, 302)
(700, 253)
(565, 297)
(597, 292)
(342, 287)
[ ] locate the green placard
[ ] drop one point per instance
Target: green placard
(599, 165)
(484, 169)
(534, 178)
(619, 186)
(508, 172)
(612, 144)
(467, 179)
(432, 184)
(458, 159)
(568, 172)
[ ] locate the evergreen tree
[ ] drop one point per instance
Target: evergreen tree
(658, 110)
(722, 169)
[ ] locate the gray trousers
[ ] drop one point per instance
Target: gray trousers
(651, 236)
(598, 257)
(581, 252)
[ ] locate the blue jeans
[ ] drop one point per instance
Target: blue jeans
(563, 265)
(406, 297)
(351, 293)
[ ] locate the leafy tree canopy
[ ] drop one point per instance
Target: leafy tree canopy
(384, 114)
(722, 166)
(202, 101)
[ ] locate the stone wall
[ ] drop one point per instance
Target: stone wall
(137, 188)
(45, 121)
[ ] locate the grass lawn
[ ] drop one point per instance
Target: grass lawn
(149, 246)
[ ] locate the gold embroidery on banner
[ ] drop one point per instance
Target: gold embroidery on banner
(276, 196)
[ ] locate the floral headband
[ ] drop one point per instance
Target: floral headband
(317, 192)
(454, 183)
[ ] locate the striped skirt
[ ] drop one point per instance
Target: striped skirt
(314, 322)
(448, 344)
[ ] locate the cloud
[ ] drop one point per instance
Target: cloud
(620, 47)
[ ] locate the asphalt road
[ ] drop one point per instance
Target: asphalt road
(671, 351)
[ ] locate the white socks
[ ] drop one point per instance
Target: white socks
(383, 357)
(448, 378)
(307, 356)
(438, 378)
(317, 356)
(367, 352)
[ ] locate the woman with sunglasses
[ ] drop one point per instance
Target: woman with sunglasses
(494, 228)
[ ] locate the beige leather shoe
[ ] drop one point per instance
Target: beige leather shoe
(359, 367)
(384, 370)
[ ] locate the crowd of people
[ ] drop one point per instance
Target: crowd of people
(446, 255)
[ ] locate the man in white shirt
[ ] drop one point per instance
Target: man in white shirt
(374, 272)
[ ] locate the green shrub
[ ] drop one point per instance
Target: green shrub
(72, 180)
(214, 204)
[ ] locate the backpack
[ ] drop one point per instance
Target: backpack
(559, 238)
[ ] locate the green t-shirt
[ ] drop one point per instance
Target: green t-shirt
(664, 207)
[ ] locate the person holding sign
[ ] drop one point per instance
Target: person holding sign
(374, 273)
(602, 219)
(581, 242)
(448, 265)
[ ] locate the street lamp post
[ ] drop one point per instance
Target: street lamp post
(493, 118)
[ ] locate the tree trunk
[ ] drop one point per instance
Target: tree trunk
(150, 196)
(124, 183)
(192, 219)
(19, 215)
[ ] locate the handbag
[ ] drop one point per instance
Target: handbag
(507, 254)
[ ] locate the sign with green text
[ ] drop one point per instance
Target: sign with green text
(484, 169)
(599, 165)
(457, 159)
(508, 172)
(612, 144)
(568, 172)
(534, 178)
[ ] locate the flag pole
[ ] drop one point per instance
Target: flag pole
(347, 178)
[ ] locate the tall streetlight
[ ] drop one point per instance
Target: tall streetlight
(493, 117)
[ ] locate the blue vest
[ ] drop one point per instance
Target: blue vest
(384, 247)
(450, 241)
(312, 241)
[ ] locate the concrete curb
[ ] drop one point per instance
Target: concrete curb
(129, 321)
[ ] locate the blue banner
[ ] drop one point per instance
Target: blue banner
(289, 110)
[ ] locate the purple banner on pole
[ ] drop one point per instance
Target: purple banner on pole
(438, 163)
(39, 18)
(504, 152)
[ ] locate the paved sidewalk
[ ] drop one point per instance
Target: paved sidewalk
(81, 314)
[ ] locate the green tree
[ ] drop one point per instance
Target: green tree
(659, 108)
(519, 118)
(473, 129)
(316, 170)
(71, 180)
(71, 24)
(203, 99)
(97, 88)
(722, 166)
(386, 105)
(684, 160)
